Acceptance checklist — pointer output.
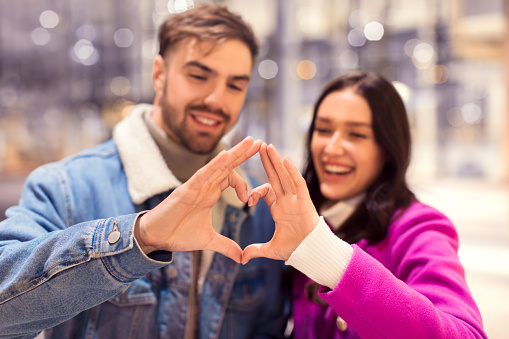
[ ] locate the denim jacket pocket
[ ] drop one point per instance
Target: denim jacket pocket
(133, 312)
(129, 315)
(138, 293)
(249, 290)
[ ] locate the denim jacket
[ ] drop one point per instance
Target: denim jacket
(60, 273)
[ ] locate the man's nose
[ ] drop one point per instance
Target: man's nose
(216, 98)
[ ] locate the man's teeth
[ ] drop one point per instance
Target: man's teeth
(205, 121)
(336, 169)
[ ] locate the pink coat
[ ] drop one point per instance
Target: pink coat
(410, 285)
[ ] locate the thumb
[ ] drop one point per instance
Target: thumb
(253, 251)
(226, 247)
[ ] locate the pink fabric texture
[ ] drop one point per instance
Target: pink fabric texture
(410, 285)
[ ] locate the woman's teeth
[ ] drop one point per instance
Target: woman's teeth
(336, 169)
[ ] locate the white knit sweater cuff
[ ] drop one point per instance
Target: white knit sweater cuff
(322, 256)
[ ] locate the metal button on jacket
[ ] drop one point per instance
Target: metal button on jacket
(114, 236)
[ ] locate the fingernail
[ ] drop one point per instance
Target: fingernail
(250, 202)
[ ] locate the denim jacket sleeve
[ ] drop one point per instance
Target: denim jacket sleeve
(51, 270)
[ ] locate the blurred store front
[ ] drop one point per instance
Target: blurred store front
(69, 70)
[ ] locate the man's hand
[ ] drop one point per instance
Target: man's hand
(291, 207)
(183, 221)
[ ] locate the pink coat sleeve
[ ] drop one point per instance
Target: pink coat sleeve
(411, 285)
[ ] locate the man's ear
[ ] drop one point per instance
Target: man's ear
(158, 73)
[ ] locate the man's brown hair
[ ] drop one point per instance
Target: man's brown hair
(206, 22)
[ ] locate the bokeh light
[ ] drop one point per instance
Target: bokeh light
(268, 69)
(120, 86)
(40, 36)
(439, 74)
(87, 32)
(410, 46)
(454, 117)
(357, 18)
(179, 6)
(49, 19)
(306, 69)
(123, 38)
(423, 52)
(149, 48)
(83, 49)
(471, 113)
(85, 52)
(356, 37)
(308, 19)
(374, 31)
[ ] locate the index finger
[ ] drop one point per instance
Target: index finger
(236, 156)
(240, 155)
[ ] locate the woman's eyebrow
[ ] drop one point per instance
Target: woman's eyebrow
(358, 123)
(349, 123)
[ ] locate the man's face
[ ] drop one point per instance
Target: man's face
(201, 91)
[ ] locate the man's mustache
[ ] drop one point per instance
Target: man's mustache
(203, 108)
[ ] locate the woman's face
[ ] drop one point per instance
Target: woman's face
(346, 155)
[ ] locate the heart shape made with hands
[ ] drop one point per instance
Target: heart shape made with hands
(183, 221)
(290, 204)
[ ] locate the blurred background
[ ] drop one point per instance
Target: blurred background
(69, 70)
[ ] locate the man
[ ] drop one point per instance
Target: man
(80, 257)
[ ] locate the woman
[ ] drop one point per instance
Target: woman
(386, 263)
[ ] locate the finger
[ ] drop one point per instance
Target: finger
(236, 156)
(298, 181)
(226, 247)
(220, 167)
(210, 172)
(256, 251)
(264, 191)
(241, 157)
(302, 191)
(240, 186)
(270, 171)
(284, 177)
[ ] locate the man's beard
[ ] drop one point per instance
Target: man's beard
(201, 142)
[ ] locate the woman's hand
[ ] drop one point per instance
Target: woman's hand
(291, 207)
(183, 221)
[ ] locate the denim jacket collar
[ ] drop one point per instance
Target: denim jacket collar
(146, 170)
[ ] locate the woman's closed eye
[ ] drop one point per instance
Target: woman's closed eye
(358, 135)
(322, 130)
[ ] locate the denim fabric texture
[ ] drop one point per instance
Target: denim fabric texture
(59, 273)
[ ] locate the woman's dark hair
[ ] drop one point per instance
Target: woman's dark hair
(389, 191)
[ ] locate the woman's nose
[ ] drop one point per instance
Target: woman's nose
(335, 145)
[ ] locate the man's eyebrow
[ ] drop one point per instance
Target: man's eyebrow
(205, 68)
(194, 63)
(241, 78)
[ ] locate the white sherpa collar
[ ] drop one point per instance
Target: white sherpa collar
(146, 170)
